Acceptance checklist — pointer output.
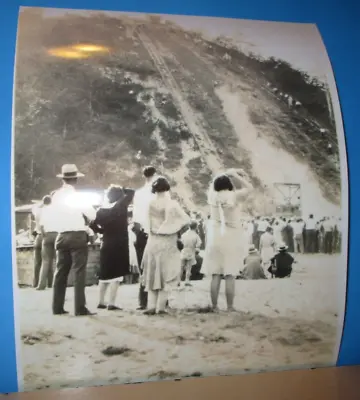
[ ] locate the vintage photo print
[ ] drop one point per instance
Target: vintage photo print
(180, 198)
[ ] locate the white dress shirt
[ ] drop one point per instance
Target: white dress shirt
(310, 223)
(141, 202)
(298, 227)
(71, 208)
(50, 219)
(328, 225)
(262, 225)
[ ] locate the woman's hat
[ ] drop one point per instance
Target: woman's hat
(70, 171)
(282, 247)
(252, 249)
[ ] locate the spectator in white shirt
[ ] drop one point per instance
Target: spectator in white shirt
(328, 227)
(141, 203)
(36, 212)
(298, 228)
(310, 235)
(250, 229)
(260, 228)
(72, 241)
(48, 222)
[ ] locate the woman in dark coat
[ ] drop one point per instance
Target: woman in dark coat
(112, 222)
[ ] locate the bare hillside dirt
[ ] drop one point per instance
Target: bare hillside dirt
(191, 106)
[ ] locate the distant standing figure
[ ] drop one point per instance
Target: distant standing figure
(134, 263)
(250, 229)
(277, 231)
(49, 225)
(192, 243)
(298, 228)
(328, 227)
(112, 222)
(261, 229)
(310, 235)
(267, 246)
(36, 211)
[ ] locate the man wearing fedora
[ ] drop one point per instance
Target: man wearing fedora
(281, 263)
(72, 241)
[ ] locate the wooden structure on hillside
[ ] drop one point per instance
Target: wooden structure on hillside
(289, 199)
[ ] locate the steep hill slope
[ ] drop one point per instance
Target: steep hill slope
(192, 107)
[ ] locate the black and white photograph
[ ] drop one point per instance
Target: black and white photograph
(180, 198)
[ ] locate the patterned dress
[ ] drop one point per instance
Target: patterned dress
(161, 262)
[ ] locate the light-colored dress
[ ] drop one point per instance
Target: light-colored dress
(134, 265)
(250, 232)
(278, 236)
(161, 262)
(267, 244)
(227, 240)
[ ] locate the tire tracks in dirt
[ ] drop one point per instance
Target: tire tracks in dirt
(202, 139)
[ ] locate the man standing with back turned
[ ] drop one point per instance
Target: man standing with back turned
(141, 202)
(72, 241)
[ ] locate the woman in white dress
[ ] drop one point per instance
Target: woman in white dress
(250, 228)
(161, 263)
(267, 247)
(227, 243)
(277, 231)
(133, 260)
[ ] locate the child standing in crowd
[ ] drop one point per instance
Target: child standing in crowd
(192, 243)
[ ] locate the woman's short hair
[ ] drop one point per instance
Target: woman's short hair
(149, 171)
(193, 225)
(160, 185)
(114, 193)
(222, 182)
(46, 200)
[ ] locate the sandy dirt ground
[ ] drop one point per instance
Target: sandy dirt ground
(278, 324)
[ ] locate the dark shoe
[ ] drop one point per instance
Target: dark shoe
(84, 312)
(163, 312)
(150, 312)
(62, 312)
(39, 288)
(141, 308)
(101, 306)
(114, 308)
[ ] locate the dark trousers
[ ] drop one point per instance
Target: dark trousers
(72, 253)
(37, 259)
(48, 257)
(257, 237)
(310, 241)
(299, 243)
(140, 244)
(328, 243)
